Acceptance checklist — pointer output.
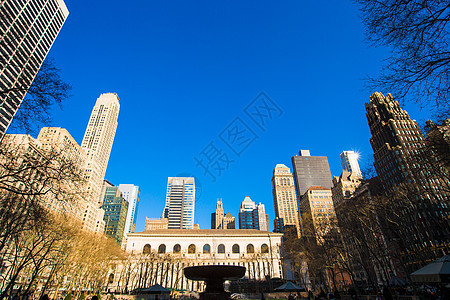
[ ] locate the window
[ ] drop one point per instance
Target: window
(264, 248)
(221, 248)
(206, 249)
(147, 249)
(191, 249)
(162, 248)
(235, 248)
(177, 248)
(250, 248)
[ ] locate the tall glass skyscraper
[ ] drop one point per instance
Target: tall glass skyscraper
(180, 202)
(253, 216)
(98, 140)
(349, 161)
(116, 208)
(131, 194)
(28, 29)
(311, 171)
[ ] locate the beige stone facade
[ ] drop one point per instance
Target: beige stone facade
(159, 256)
(284, 197)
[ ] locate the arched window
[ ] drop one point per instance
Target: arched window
(250, 248)
(264, 248)
(162, 248)
(111, 278)
(206, 249)
(177, 248)
(191, 249)
(221, 248)
(235, 248)
(147, 249)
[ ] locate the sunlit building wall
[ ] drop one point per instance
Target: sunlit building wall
(27, 31)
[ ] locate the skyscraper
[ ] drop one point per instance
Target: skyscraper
(98, 140)
(284, 198)
(217, 216)
(252, 216)
(180, 202)
(116, 208)
(28, 29)
(131, 194)
(220, 220)
(310, 171)
(407, 173)
(349, 161)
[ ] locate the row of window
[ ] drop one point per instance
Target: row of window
(206, 248)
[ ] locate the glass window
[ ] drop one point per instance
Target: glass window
(191, 249)
(177, 248)
(162, 248)
(264, 248)
(235, 248)
(221, 248)
(250, 248)
(147, 249)
(206, 249)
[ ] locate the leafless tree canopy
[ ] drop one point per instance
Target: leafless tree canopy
(418, 33)
(47, 90)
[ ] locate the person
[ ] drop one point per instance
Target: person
(290, 297)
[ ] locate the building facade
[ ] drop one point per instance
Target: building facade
(253, 216)
(318, 212)
(217, 216)
(220, 220)
(27, 31)
(344, 187)
(284, 198)
(417, 193)
(180, 202)
(98, 140)
(310, 171)
(131, 194)
(349, 161)
(162, 255)
(229, 222)
(116, 209)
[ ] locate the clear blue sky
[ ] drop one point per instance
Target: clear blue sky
(185, 69)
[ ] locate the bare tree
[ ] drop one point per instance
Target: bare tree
(47, 90)
(418, 33)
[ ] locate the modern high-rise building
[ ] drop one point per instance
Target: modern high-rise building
(98, 140)
(116, 208)
(420, 195)
(252, 216)
(180, 202)
(349, 161)
(284, 198)
(28, 29)
(131, 194)
(310, 171)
